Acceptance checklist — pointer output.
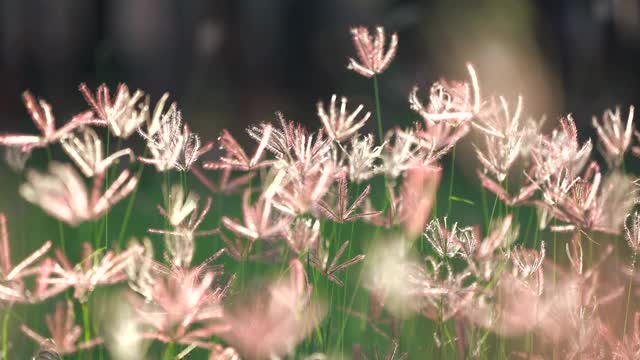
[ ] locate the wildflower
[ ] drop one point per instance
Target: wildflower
(450, 102)
(340, 126)
(295, 196)
(275, 321)
(62, 193)
(528, 263)
(560, 151)
(179, 241)
(297, 151)
(632, 233)
(186, 305)
(373, 59)
(91, 272)
(226, 184)
(172, 145)
(590, 203)
(503, 137)
(614, 138)
(319, 258)
(237, 159)
(42, 116)
(443, 241)
(64, 332)
(86, 152)
(436, 140)
(123, 114)
(259, 223)
(11, 284)
(362, 158)
(303, 235)
(340, 212)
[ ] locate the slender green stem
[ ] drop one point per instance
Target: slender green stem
(453, 168)
(5, 334)
(132, 199)
(169, 352)
(376, 94)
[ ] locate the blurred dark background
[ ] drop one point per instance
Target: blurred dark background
(232, 63)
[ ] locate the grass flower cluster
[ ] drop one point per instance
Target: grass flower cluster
(327, 244)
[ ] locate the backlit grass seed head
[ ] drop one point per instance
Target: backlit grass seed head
(85, 149)
(123, 114)
(371, 51)
(12, 287)
(502, 134)
(62, 193)
(436, 139)
(339, 211)
(275, 320)
(632, 232)
(63, 330)
(93, 271)
(614, 138)
(443, 240)
(236, 158)
(260, 221)
(363, 158)
(453, 102)
(303, 235)
(42, 116)
(340, 125)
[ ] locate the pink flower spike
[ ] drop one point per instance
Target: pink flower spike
(124, 114)
(340, 125)
(453, 102)
(259, 223)
(236, 158)
(341, 212)
(63, 330)
(371, 51)
(11, 284)
(42, 116)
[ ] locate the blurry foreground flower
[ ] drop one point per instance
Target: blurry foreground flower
(11, 284)
(63, 330)
(85, 149)
(275, 321)
(88, 274)
(62, 193)
(371, 51)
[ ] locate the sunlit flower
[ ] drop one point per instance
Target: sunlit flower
(123, 114)
(319, 258)
(172, 145)
(614, 138)
(340, 124)
(362, 158)
(503, 136)
(341, 212)
(63, 330)
(443, 241)
(185, 306)
(236, 158)
(371, 53)
(11, 284)
(274, 322)
(454, 102)
(94, 270)
(180, 241)
(42, 116)
(303, 235)
(62, 193)
(259, 221)
(85, 149)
